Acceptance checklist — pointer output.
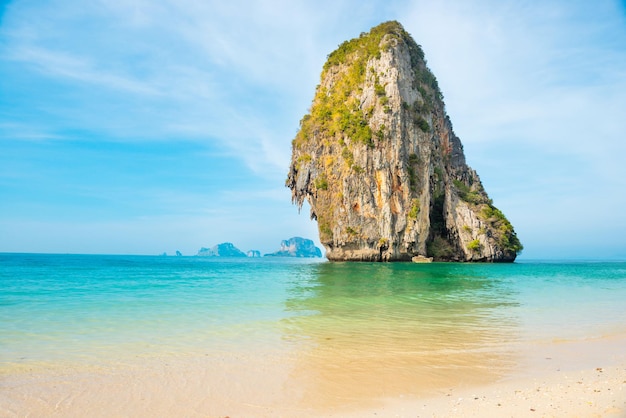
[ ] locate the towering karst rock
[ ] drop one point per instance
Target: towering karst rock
(381, 167)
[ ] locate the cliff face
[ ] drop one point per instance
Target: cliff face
(381, 167)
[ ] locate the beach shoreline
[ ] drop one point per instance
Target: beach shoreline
(581, 378)
(596, 392)
(144, 337)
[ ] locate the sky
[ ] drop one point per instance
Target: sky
(143, 127)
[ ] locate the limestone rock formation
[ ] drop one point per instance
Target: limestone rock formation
(253, 254)
(297, 247)
(381, 167)
(225, 249)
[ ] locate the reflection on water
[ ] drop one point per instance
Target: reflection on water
(384, 330)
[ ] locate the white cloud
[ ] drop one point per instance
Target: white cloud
(542, 74)
(81, 69)
(9, 131)
(211, 71)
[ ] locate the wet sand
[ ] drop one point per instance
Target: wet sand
(559, 379)
(215, 385)
(581, 378)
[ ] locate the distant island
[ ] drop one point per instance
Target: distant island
(178, 254)
(292, 247)
(297, 247)
(225, 249)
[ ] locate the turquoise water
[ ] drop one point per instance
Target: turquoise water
(99, 309)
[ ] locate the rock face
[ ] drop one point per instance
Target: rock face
(253, 254)
(225, 249)
(297, 247)
(382, 169)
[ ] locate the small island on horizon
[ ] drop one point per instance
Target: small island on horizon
(292, 247)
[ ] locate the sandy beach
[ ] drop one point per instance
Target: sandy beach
(564, 384)
(585, 378)
(597, 392)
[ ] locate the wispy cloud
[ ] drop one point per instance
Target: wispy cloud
(513, 67)
(80, 69)
(10, 131)
(203, 75)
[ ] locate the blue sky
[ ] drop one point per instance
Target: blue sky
(153, 126)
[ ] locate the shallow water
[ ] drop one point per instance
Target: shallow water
(350, 330)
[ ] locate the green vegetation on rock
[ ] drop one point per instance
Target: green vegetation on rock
(468, 194)
(367, 45)
(321, 183)
(474, 245)
(439, 248)
(505, 233)
(415, 209)
(422, 124)
(336, 110)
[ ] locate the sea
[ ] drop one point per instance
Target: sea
(339, 324)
